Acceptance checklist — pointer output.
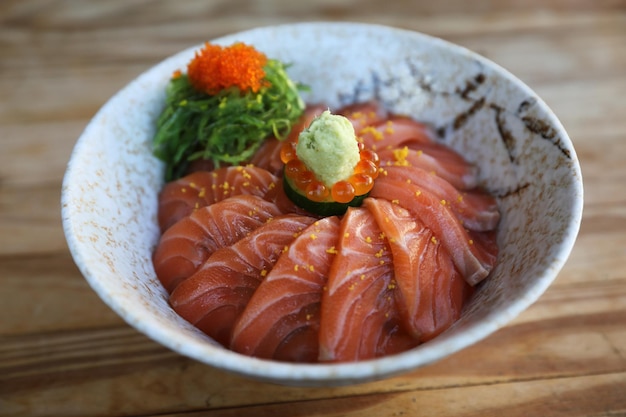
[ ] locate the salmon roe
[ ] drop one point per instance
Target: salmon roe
(360, 182)
(215, 68)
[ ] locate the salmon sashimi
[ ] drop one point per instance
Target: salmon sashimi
(358, 306)
(473, 263)
(431, 292)
(202, 188)
(487, 244)
(265, 278)
(450, 295)
(268, 155)
(434, 158)
(185, 246)
(364, 114)
(411, 247)
(476, 210)
(214, 297)
(395, 132)
(281, 321)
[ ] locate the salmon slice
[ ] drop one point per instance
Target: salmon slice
(393, 133)
(431, 292)
(281, 321)
(202, 188)
(410, 243)
(486, 242)
(268, 155)
(472, 261)
(358, 307)
(476, 210)
(214, 297)
(450, 294)
(363, 114)
(185, 246)
(434, 158)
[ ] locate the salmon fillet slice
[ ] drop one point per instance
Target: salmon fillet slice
(431, 291)
(359, 318)
(180, 198)
(433, 158)
(281, 321)
(475, 209)
(363, 114)
(472, 261)
(184, 247)
(213, 297)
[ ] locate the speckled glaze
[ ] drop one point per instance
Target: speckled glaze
(524, 154)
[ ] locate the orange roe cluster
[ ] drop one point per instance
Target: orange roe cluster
(360, 182)
(215, 68)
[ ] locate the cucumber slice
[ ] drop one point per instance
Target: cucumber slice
(324, 208)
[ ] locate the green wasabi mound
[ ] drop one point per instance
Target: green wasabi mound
(328, 148)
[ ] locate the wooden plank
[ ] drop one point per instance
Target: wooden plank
(524, 43)
(596, 258)
(585, 396)
(121, 370)
(30, 220)
(48, 294)
(97, 58)
(117, 13)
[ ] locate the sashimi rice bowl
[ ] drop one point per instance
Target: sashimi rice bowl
(322, 204)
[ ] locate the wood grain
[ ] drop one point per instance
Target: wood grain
(63, 352)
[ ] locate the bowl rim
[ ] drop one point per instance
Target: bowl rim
(320, 373)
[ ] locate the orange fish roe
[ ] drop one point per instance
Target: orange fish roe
(216, 67)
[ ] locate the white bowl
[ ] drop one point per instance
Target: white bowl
(525, 157)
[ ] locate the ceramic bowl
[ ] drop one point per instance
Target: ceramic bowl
(524, 155)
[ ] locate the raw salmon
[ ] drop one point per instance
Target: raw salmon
(430, 291)
(487, 243)
(450, 295)
(281, 321)
(393, 133)
(473, 262)
(202, 188)
(358, 307)
(363, 114)
(476, 210)
(434, 158)
(265, 278)
(217, 293)
(268, 156)
(187, 244)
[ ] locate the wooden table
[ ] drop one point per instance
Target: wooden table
(63, 352)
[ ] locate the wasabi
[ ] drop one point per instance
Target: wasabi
(328, 148)
(327, 169)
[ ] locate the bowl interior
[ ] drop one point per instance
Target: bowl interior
(525, 158)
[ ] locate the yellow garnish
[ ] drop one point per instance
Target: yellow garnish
(400, 156)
